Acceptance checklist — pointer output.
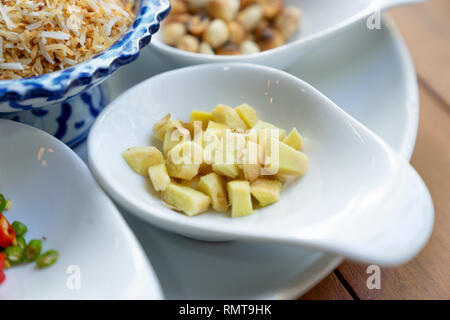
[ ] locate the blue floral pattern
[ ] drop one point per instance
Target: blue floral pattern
(68, 121)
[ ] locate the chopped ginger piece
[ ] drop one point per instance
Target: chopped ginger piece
(214, 186)
(222, 158)
(225, 158)
(160, 128)
(291, 161)
(182, 160)
(159, 177)
(193, 183)
(141, 158)
(261, 125)
(202, 116)
(294, 139)
(228, 116)
(247, 114)
(222, 128)
(174, 136)
(266, 191)
(240, 198)
(186, 199)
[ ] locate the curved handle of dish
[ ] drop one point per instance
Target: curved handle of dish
(388, 4)
(393, 231)
(389, 232)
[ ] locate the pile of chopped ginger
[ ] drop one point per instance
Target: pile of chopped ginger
(43, 36)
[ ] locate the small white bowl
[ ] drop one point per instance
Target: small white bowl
(54, 194)
(320, 19)
(356, 187)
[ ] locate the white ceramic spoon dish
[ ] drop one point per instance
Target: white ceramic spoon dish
(358, 199)
(54, 194)
(321, 18)
(369, 73)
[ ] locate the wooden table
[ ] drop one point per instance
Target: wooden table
(426, 30)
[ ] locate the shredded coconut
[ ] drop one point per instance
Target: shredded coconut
(11, 66)
(49, 35)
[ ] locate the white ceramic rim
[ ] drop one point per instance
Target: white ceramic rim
(331, 262)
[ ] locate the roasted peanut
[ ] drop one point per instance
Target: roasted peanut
(246, 3)
(223, 9)
(250, 16)
(172, 32)
(229, 49)
(195, 6)
(205, 48)
(228, 27)
(177, 7)
(262, 25)
(197, 24)
(249, 47)
(288, 21)
(237, 32)
(271, 8)
(188, 43)
(182, 18)
(216, 34)
(270, 38)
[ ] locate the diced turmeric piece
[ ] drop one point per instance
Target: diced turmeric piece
(141, 158)
(185, 199)
(240, 198)
(214, 186)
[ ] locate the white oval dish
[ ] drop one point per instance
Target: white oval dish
(54, 194)
(321, 18)
(369, 191)
(367, 72)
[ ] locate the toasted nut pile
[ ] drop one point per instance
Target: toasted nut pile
(38, 37)
(229, 27)
(224, 158)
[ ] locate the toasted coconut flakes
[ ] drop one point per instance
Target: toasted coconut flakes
(55, 35)
(83, 39)
(59, 46)
(70, 62)
(110, 25)
(1, 49)
(45, 36)
(34, 25)
(93, 4)
(44, 52)
(4, 14)
(11, 66)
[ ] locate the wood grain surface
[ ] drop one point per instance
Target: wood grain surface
(426, 30)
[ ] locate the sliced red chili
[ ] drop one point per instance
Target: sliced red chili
(2, 266)
(7, 234)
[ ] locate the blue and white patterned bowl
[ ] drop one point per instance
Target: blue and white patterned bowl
(75, 85)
